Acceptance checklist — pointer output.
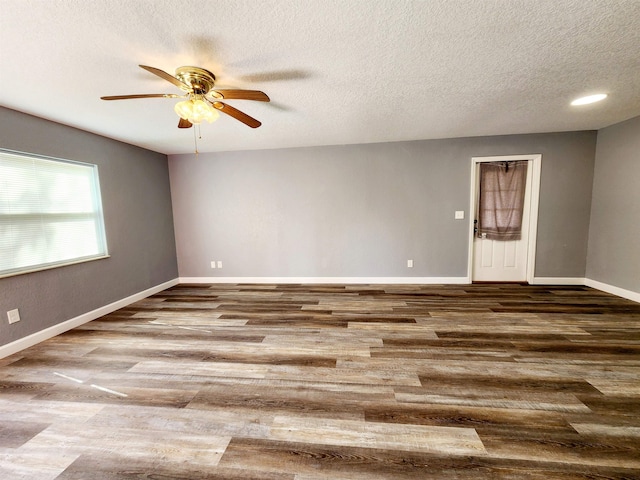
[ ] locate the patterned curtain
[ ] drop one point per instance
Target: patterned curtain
(501, 203)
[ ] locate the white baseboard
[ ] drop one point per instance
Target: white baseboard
(558, 281)
(47, 333)
(328, 280)
(620, 292)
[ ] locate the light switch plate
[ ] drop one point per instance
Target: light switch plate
(459, 215)
(13, 316)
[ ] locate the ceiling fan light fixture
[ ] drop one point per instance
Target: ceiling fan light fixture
(201, 102)
(183, 109)
(196, 110)
(204, 111)
(589, 99)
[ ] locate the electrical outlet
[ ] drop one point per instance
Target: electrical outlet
(13, 316)
(213, 264)
(459, 215)
(410, 263)
(219, 264)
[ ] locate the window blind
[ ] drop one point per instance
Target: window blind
(50, 213)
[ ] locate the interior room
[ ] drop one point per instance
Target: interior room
(300, 289)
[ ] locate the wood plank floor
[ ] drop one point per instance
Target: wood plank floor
(312, 382)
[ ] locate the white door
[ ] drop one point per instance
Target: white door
(503, 261)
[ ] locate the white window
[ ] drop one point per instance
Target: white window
(50, 213)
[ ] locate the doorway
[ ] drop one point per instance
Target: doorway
(511, 260)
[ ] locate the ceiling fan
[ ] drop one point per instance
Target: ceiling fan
(202, 101)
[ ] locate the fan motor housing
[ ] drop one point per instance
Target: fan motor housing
(200, 80)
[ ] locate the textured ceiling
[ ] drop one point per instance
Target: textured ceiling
(337, 71)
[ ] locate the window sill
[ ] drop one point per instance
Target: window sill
(41, 268)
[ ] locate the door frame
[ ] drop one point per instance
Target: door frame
(536, 167)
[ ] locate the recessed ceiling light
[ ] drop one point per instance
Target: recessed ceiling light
(589, 99)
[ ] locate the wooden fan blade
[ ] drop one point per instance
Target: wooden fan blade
(141, 95)
(184, 123)
(167, 77)
(237, 114)
(241, 95)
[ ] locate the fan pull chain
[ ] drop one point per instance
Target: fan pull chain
(196, 136)
(195, 142)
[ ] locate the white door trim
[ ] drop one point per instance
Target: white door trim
(533, 209)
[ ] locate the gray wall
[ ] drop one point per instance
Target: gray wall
(137, 207)
(363, 210)
(614, 236)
